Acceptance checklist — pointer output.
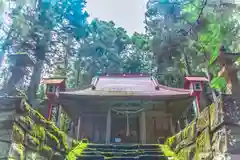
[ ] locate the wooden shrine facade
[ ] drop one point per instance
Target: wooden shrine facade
(125, 109)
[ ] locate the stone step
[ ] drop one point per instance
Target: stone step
(152, 157)
(111, 146)
(145, 157)
(111, 154)
(149, 146)
(127, 147)
(90, 157)
(118, 154)
(124, 158)
(121, 153)
(121, 150)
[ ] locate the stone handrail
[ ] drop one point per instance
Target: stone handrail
(213, 135)
(26, 133)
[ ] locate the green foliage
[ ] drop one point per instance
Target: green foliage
(167, 24)
(41, 92)
(42, 31)
(76, 151)
(182, 39)
(187, 36)
(168, 152)
(72, 11)
(221, 29)
(108, 50)
(219, 83)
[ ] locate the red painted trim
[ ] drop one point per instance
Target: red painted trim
(49, 111)
(126, 75)
(198, 103)
(195, 78)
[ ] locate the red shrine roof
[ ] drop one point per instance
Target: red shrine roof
(128, 86)
(52, 81)
(194, 79)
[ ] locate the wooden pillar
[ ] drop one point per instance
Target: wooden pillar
(108, 127)
(143, 133)
(178, 126)
(78, 128)
(171, 125)
(185, 121)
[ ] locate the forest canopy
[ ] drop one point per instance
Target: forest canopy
(182, 38)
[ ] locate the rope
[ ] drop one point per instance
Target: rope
(127, 112)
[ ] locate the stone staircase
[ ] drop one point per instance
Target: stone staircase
(122, 152)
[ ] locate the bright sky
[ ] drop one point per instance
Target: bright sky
(128, 14)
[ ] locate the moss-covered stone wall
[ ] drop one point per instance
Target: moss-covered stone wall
(26, 134)
(214, 135)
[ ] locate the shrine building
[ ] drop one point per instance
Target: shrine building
(127, 108)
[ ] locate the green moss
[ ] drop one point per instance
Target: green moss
(76, 151)
(47, 151)
(170, 141)
(20, 152)
(54, 138)
(34, 142)
(40, 132)
(74, 143)
(189, 132)
(18, 134)
(64, 141)
(27, 123)
(168, 152)
(43, 126)
(212, 114)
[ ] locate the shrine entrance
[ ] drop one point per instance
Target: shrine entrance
(125, 123)
(119, 130)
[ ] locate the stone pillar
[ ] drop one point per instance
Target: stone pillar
(108, 127)
(78, 128)
(59, 117)
(143, 132)
(185, 121)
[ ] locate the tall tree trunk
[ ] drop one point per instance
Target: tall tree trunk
(188, 70)
(68, 49)
(209, 80)
(77, 77)
(34, 83)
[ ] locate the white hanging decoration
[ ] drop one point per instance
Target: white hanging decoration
(57, 91)
(126, 111)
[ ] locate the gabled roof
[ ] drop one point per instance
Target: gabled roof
(130, 86)
(52, 81)
(196, 78)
